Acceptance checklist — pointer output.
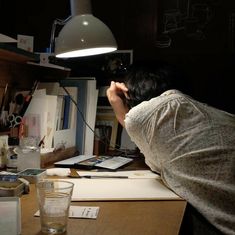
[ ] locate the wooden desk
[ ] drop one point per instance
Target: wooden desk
(115, 217)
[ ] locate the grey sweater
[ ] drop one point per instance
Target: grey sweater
(192, 146)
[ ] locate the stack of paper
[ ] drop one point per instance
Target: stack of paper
(41, 113)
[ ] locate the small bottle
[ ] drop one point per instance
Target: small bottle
(12, 158)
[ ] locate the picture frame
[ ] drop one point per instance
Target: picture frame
(107, 119)
(116, 63)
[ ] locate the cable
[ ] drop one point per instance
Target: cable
(124, 151)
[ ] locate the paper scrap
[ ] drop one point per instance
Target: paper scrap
(5, 38)
(85, 212)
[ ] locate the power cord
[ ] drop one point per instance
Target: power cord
(123, 152)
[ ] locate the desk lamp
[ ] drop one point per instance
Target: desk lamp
(82, 33)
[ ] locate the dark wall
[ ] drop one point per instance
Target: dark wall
(202, 40)
(199, 37)
(33, 18)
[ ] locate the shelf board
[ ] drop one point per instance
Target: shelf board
(50, 72)
(49, 66)
(17, 55)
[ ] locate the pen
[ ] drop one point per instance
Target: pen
(41, 143)
(104, 176)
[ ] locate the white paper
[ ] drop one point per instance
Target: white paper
(120, 189)
(66, 137)
(45, 107)
(5, 38)
(25, 42)
(86, 212)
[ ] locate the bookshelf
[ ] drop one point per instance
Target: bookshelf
(18, 71)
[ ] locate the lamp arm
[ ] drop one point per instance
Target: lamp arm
(53, 29)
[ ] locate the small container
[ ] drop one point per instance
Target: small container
(11, 189)
(12, 162)
(33, 175)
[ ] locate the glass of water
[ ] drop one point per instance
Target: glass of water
(54, 197)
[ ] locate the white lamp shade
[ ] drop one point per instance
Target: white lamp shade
(84, 35)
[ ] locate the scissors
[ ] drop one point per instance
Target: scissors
(15, 120)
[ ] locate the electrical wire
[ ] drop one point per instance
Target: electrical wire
(120, 151)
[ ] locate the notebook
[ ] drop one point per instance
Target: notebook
(92, 162)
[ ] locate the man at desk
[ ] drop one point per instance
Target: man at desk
(192, 145)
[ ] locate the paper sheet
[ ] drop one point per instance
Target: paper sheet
(5, 38)
(66, 137)
(85, 212)
(43, 107)
(120, 189)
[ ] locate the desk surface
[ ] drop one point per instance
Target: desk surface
(115, 217)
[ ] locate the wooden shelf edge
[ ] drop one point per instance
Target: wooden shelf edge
(17, 55)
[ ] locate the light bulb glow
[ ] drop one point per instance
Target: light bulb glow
(86, 52)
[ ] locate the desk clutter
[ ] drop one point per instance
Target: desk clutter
(16, 184)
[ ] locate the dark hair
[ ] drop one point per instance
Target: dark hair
(148, 79)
